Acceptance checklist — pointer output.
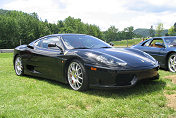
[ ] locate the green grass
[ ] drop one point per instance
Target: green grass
(36, 97)
(124, 42)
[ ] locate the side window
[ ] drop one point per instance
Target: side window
(43, 43)
(39, 43)
(146, 43)
(158, 43)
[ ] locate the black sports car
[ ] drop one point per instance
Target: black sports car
(162, 49)
(83, 61)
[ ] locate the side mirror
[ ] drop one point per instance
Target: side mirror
(54, 45)
(29, 46)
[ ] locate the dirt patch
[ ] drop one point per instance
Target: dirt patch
(171, 98)
(172, 77)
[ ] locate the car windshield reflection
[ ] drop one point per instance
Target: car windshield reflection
(83, 42)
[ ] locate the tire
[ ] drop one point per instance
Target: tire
(18, 65)
(172, 62)
(76, 76)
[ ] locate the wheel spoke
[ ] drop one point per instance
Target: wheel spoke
(76, 67)
(173, 66)
(173, 63)
(80, 77)
(18, 67)
(72, 68)
(171, 60)
(76, 83)
(79, 82)
(79, 69)
(79, 74)
(174, 69)
(174, 59)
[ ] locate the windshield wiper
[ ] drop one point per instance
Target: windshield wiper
(82, 48)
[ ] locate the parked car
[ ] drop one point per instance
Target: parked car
(83, 61)
(162, 49)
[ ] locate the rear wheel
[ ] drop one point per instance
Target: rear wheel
(18, 66)
(172, 62)
(76, 76)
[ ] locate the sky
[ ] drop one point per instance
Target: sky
(103, 13)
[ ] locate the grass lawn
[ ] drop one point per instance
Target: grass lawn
(36, 97)
(124, 42)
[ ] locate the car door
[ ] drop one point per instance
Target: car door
(47, 60)
(157, 51)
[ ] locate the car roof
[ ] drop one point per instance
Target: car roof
(69, 34)
(66, 34)
(165, 37)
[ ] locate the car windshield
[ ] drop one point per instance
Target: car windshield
(171, 41)
(83, 42)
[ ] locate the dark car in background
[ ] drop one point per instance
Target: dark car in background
(162, 49)
(83, 61)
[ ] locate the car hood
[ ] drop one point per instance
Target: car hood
(132, 57)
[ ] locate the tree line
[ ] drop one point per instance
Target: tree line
(17, 27)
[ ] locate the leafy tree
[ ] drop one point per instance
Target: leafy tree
(94, 31)
(21, 27)
(175, 27)
(159, 29)
(129, 32)
(111, 34)
(172, 31)
(17, 26)
(8, 32)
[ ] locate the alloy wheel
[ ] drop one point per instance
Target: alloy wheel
(172, 63)
(18, 66)
(75, 75)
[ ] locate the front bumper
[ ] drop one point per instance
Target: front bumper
(109, 78)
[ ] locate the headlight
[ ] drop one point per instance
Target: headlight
(110, 61)
(106, 60)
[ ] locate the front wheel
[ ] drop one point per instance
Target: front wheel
(76, 75)
(172, 62)
(18, 66)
